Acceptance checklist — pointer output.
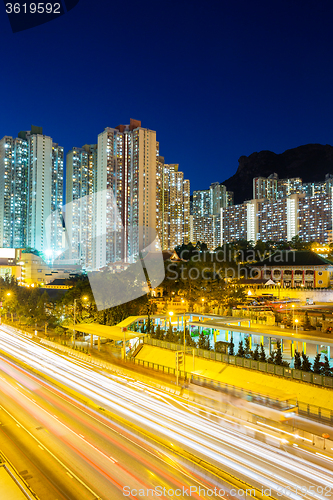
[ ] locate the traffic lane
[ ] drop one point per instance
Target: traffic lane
(43, 474)
(168, 475)
(55, 360)
(82, 460)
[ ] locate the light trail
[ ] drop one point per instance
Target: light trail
(247, 458)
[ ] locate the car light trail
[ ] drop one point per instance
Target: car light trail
(246, 457)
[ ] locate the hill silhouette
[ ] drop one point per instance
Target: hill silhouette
(311, 162)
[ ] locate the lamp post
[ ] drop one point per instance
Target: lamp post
(170, 314)
(184, 343)
(296, 322)
(293, 306)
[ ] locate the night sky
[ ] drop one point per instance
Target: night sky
(215, 79)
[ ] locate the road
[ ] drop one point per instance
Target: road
(71, 451)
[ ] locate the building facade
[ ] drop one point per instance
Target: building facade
(207, 206)
(295, 269)
(311, 218)
(125, 210)
(13, 191)
(31, 188)
(81, 169)
(173, 205)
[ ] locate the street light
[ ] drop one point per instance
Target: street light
(293, 306)
(170, 314)
(296, 321)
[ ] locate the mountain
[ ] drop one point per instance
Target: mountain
(311, 162)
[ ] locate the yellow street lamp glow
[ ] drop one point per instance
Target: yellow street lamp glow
(249, 292)
(170, 313)
(8, 293)
(296, 320)
(84, 298)
(292, 305)
(202, 300)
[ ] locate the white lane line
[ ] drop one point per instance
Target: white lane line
(53, 456)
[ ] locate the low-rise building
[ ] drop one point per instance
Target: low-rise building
(295, 269)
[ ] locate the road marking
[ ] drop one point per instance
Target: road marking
(82, 436)
(41, 447)
(53, 456)
(18, 425)
(69, 475)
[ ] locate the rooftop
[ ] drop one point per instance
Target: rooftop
(293, 258)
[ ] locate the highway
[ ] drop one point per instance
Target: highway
(72, 451)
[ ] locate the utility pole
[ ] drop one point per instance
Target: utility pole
(184, 343)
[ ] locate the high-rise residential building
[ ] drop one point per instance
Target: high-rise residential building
(173, 205)
(287, 187)
(220, 197)
(265, 188)
(179, 208)
(126, 166)
(44, 198)
(207, 207)
(309, 217)
(162, 202)
(57, 186)
(13, 191)
(81, 165)
(31, 185)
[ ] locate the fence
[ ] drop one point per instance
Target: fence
(271, 369)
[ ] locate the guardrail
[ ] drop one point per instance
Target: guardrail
(271, 369)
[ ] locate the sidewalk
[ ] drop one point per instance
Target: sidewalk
(244, 378)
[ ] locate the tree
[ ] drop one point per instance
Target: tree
(204, 342)
(59, 331)
(231, 347)
(271, 358)
(306, 365)
(297, 361)
(241, 352)
(169, 337)
(188, 339)
(307, 323)
(278, 354)
(326, 370)
(255, 354)
(316, 364)
(262, 355)
(158, 332)
(247, 350)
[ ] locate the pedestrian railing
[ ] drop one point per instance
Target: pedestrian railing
(270, 368)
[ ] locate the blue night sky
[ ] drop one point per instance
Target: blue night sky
(215, 79)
